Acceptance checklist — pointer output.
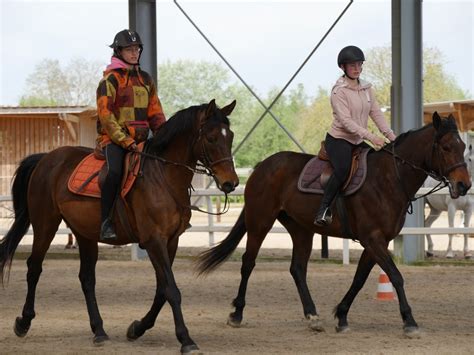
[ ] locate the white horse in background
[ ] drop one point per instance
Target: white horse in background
(440, 203)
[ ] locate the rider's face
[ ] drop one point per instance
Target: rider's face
(131, 54)
(354, 69)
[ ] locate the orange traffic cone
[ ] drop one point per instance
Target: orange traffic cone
(384, 288)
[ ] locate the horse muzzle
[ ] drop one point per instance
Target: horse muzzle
(459, 189)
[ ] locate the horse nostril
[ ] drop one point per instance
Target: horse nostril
(228, 187)
(462, 188)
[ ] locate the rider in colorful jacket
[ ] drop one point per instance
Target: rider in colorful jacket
(128, 107)
(353, 101)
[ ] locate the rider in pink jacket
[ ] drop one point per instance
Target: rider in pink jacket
(353, 101)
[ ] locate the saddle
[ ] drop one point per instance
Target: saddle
(89, 174)
(318, 170)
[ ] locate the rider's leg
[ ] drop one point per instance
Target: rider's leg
(340, 153)
(114, 156)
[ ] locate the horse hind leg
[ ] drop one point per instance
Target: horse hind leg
(302, 247)
(44, 232)
(88, 252)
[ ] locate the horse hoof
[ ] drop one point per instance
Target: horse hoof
(233, 323)
(429, 254)
(412, 332)
(132, 331)
(315, 323)
(342, 329)
(468, 256)
(19, 330)
(100, 340)
(190, 349)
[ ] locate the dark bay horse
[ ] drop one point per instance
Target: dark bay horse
(157, 208)
(375, 213)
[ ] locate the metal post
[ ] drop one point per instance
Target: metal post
(142, 18)
(407, 101)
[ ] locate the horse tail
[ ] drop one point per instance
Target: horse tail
(21, 223)
(212, 258)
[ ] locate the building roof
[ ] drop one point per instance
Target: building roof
(17, 110)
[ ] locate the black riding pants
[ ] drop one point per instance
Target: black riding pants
(114, 156)
(340, 155)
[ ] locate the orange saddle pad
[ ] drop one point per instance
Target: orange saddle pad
(85, 178)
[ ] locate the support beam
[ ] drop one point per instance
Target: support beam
(407, 102)
(142, 18)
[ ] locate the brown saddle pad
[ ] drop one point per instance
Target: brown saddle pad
(85, 178)
(310, 178)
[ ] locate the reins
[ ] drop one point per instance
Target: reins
(438, 176)
(204, 169)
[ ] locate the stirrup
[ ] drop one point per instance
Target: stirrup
(324, 219)
(107, 232)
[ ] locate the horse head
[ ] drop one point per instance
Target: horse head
(448, 156)
(213, 146)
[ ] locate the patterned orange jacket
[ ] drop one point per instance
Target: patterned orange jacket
(125, 96)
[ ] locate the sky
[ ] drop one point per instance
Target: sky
(265, 41)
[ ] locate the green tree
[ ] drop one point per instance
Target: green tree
(51, 84)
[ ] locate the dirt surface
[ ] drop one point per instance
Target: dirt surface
(441, 297)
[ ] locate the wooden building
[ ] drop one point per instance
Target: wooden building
(28, 130)
(462, 110)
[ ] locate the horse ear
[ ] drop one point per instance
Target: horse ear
(229, 108)
(451, 117)
(211, 108)
(436, 120)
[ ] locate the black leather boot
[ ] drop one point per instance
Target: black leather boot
(324, 215)
(107, 232)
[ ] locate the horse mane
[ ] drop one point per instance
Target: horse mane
(181, 121)
(447, 125)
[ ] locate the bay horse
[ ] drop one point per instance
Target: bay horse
(157, 207)
(375, 213)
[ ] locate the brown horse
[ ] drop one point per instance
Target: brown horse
(157, 208)
(375, 213)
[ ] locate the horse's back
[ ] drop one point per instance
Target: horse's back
(56, 166)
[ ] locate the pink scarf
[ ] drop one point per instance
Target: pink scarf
(116, 63)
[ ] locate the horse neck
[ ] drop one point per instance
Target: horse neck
(416, 149)
(179, 159)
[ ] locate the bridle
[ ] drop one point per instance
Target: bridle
(204, 166)
(439, 175)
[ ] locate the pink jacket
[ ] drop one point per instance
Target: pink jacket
(352, 107)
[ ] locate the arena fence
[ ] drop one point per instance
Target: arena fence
(212, 204)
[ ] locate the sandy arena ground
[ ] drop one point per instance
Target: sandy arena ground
(441, 298)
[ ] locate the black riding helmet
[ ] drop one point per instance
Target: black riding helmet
(350, 54)
(126, 38)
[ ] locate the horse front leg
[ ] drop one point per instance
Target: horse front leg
(157, 251)
(139, 327)
(88, 251)
(467, 223)
(380, 254)
(451, 217)
(365, 265)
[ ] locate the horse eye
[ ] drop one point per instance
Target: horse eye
(211, 139)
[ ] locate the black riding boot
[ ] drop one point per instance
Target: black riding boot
(324, 215)
(107, 232)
